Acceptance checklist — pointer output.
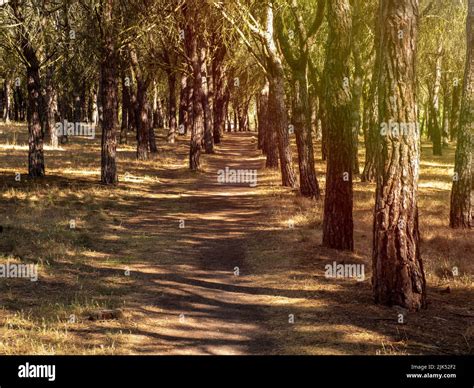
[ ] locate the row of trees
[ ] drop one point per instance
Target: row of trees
(388, 72)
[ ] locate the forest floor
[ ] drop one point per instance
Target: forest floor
(199, 267)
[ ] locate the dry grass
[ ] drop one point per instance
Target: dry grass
(181, 295)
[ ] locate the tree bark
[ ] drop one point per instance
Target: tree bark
(36, 167)
(435, 127)
(194, 45)
(338, 204)
(455, 109)
(125, 110)
(220, 86)
(398, 275)
(109, 98)
(142, 120)
(51, 107)
(461, 214)
(309, 186)
(172, 124)
(151, 130)
(140, 107)
(263, 118)
(277, 105)
(183, 116)
(206, 106)
(7, 103)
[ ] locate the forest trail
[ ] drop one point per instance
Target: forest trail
(200, 303)
(235, 280)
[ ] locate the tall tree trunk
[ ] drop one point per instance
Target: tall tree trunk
(17, 103)
(109, 98)
(51, 107)
(446, 110)
(398, 275)
(371, 125)
(461, 214)
(6, 96)
(141, 107)
(309, 186)
(220, 86)
(125, 110)
(263, 118)
(172, 124)
(356, 103)
(206, 106)
(455, 109)
(36, 167)
(183, 117)
(435, 127)
(142, 120)
(277, 105)
(151, 131)
(338, 204)
(194, 45)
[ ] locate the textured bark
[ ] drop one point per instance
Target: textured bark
(461, 214)
(455, 109)
(36, 167)
(51, 108)
(309, 186)
(356, 104)
(109, 98)
(151, 131)
(125, 110)
(184, 101)
(206, 104)
(446, 110)
(271, 140)
(398, 275)
(371, 128)
(371, 122)
(220, 87)
(140, 107)
(434, 124)
(194, 45)
(338, 204)
(243, 116)
(277, 105)
(263, 118)
(6, 100)
(172, 123)
(95, 108)
(142, 120)
(17, 104)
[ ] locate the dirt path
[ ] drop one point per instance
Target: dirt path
(199, 302)
(235, 280)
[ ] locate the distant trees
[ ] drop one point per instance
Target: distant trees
(461, 215)
(269, 58)
(298, 60)
(194, 44)
(203, 67)
(24, 37)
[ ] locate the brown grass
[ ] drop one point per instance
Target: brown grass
(182, 295)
